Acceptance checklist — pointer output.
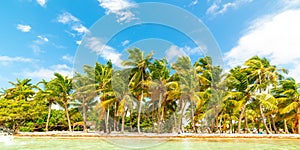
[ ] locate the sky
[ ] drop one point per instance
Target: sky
(40, 37)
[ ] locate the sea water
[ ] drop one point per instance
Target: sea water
(149, 144)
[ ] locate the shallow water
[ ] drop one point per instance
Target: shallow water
(151, 144)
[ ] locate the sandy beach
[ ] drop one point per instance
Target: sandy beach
(65, 134)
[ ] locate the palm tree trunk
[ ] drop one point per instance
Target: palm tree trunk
(183, 103)
(159, 114)
(246, 122)
(153, 110)
(273, 124)
(130, 121)
(139, 114)
(48, 117)
(175, 121)
(192, 118)
(106, 123)
(286, 130)
(115, 117)
(264, 119)
(84, 117)
(123, 121)
(68, 117)
(240, 119)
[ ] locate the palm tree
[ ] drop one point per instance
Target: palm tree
(290, 98)
(263, 74)
(238, 82)
(121, 90)
(103, 77)
(160, 82)
(22, 90)
(63, 87)
(139, 63)
(85, 95)
(47, 93)
(189, 88)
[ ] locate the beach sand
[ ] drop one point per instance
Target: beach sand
(66, 134)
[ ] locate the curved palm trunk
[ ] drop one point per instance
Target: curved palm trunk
(240, 119)
(48, 117)
(123, 121)
(68, 117)
(273, 124)
(264, 119)
(246, 123)
(286, 130)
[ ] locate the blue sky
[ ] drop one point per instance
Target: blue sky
(40, 37)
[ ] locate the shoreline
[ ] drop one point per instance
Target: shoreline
(54, 134)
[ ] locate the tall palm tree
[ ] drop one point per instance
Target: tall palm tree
(103, 77)
(189, 88)
(47, 93)
(139, 63)
(120, 85)
(290, 98)
(63, 87)
(263, 74)
(238, 82)
(159, 84)
(84, 95)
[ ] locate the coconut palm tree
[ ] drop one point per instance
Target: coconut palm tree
(120, 85)
(102, 74)
(63, 89)
(189, 88)
(47, 93)
(263, 75)
(85, 94)
(22, 90)
(238, 82)
(290, 98)
(139, 62)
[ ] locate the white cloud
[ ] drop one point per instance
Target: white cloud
(77, 28)
(68, 58)
(79, 42)
(217, 8)
(41, 2)
(66, 18)
(275, 37)
(43, 38)
(5, 60)
(125, 42)
(121, 8)
(24, 28)
(36, 44)
(194, 2)
(48, 73)
(104, 51)
(80, 28)
(174, 52)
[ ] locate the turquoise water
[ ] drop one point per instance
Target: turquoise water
(151, 144)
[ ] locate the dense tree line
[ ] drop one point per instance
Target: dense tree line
(151, 95)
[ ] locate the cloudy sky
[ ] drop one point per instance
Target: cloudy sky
(40, 37)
